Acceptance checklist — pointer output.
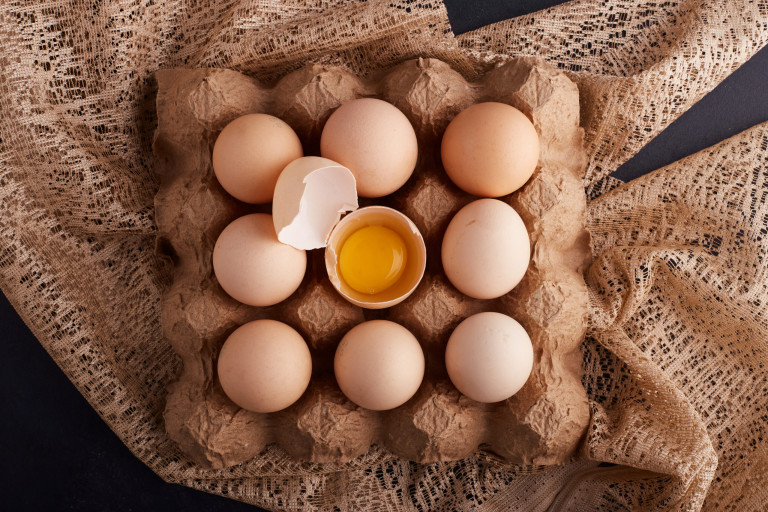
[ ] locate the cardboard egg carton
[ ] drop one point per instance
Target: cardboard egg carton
(541, 424)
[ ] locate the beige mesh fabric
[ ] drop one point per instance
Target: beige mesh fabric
(675, 359)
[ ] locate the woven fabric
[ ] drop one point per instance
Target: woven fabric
(675, 358)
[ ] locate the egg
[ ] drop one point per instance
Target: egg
(486, 249)
(379, 365)
(375, 257)
(490, 149)
(249, 154)
(252, 266)
(375, 141)
(489, 357)
(264, 366)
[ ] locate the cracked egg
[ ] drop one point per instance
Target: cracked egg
(375, 257)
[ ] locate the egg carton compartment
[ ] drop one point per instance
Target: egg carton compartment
(542, 424)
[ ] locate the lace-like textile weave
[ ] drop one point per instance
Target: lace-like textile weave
(675, 358)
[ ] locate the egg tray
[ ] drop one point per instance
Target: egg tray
(542, 424)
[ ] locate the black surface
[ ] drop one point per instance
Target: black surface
(739, 102)
(467, 15)
(56, 452)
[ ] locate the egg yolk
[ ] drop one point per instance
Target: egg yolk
(372, 259)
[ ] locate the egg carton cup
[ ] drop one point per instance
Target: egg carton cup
(542, 424)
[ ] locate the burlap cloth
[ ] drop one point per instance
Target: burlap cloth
(675, 356)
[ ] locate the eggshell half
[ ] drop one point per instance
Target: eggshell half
(310, 195)
(416, 262)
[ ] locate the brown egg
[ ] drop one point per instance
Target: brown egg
(486, 249)
(252, 266)
(250, 153)
(490, 149)
(374, 140)
(264, 366)
(379, 365)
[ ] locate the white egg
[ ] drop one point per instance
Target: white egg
(489, 357)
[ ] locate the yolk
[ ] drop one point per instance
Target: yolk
(372, 259)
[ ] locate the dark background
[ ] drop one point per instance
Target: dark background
(57, 454)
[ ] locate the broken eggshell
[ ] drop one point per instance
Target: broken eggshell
(310, 195)
(415, 265)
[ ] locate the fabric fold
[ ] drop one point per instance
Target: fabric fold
(676, 357)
